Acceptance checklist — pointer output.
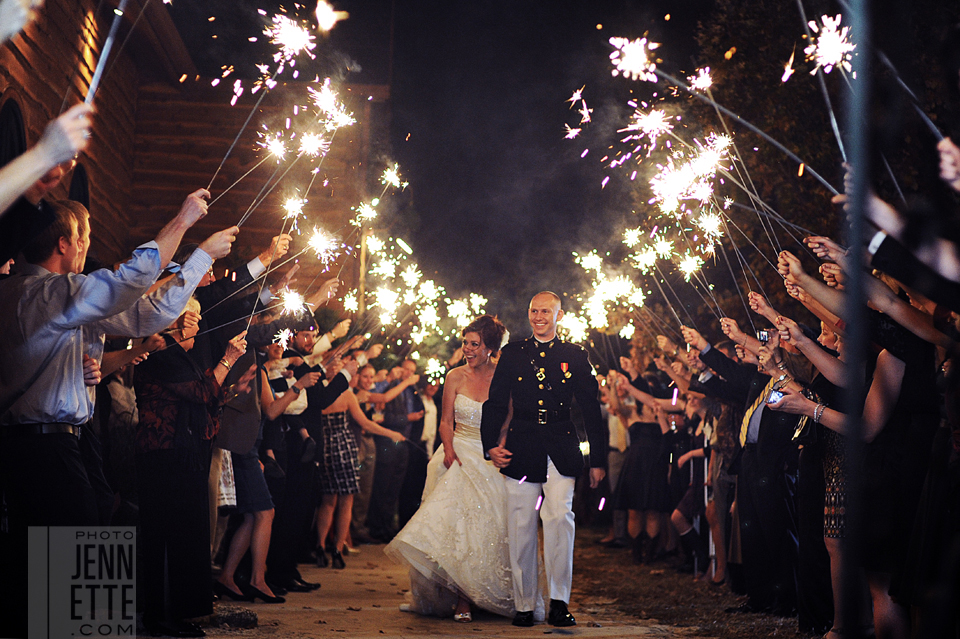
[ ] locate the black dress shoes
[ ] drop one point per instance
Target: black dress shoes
(222, 591)
(559, 615)
(336, 560)
(322, 561)
(523, 619)
(296, 585)
(255, 594)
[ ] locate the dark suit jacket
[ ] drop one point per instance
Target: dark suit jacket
(776, 452)
(318, 396)
(567, 375)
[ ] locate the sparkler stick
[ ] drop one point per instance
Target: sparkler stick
(264, 281)
(915, 100)
(746, 307)
(766, 136)
(256, 199)
(76, 68)
(105, 52)
(243, 128)
(667, 300)
(823, 87)
(224, 192)
(126, 39)
(679, 301)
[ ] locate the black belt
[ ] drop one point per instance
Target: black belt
(19, 430)
(543, 416)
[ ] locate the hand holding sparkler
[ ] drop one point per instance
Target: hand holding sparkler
(746, 356)
(790, 268)
(628, 367)
(796, 292)
(65, 137)
(949, 163)
(832, 274)
(308, 381)
(218, 245)
(681, 371)
(236, 347)
(194, 207)
(760, 306)
(826, 249)
(374, 351)
(327, 291)
(732, 330)
(790, 332)
(188, 320)
(279, 246)
(693, 338)
(666, 345)
(340, 329)
(288, 280)
(693, 361)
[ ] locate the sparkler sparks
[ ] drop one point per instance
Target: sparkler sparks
(570, 132)
(313, 144)
(788, 67)
(689, 265)
(350, 302)
(391, 176)
(652, 125)
(324, 245)
(577, 96)
(292, 302)
(632, 58)
(702, 81)
(574, 327)
(283, 338)
(292, 39)
(294, 207)
(831, 47)
(274, 145)
(328, 17)
(631, 237)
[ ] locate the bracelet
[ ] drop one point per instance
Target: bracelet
(782, 381)
(818, 412)
(782, 365)
(227, 365)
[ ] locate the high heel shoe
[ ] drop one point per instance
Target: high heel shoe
(336, 560)
(224, 591)
(322, 561)
(463, 617)
(257, 594)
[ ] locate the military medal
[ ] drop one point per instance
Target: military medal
(564, 367)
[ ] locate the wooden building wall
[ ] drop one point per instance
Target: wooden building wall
(156, 139)
(60, 49)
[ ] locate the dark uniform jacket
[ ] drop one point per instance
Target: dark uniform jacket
(542, 379)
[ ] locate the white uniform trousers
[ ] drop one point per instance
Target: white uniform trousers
(558, 533)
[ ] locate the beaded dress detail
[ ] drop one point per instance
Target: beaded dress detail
(457, 540)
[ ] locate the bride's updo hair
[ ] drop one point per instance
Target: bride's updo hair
(490, 329)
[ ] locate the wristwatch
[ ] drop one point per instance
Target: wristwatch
(296, 389)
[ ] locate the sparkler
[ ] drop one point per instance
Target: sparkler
(283, 338)
(570, 132)
(105, 52)
(313, 145)
(702, 81)
(651, 125)
(689, 265)
(291, 38)
(632, 58)
(328, 17)
(574, 328)
(831, 47)
(292, 302)
(325, 246)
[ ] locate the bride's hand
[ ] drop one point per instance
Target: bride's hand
(450, 456)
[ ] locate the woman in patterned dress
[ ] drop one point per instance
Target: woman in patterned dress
(339, 472)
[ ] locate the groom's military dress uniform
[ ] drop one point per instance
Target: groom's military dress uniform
(542, 379)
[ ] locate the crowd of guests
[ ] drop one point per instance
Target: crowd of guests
(750, 431)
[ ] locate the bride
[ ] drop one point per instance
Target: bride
(456, 543)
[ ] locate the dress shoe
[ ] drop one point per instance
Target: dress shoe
(523, 619)
(322, 561)
(463, 617)
(559, 615)
(277, 589)
(336, 560)
(223, 591)
(293, 585)
(255, 594)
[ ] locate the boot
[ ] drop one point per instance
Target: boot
(696, 561)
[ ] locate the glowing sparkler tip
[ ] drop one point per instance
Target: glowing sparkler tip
(702, 81)
(831, 47)
(632, 58)
(328, 17)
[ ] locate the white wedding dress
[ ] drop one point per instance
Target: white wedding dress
(457, 540)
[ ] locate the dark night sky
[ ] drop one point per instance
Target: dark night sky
(498, 199)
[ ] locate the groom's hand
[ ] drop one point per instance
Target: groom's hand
(596, 476)
(500, 456)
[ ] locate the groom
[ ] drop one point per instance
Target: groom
(542, 452)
